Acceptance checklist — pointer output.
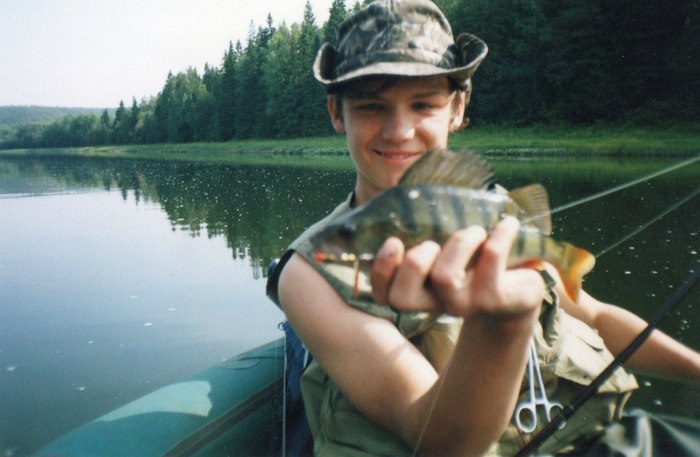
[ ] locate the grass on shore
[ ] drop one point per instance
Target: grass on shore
(330, 152)
(606, 140)
(324, 152)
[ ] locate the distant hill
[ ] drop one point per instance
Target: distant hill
(18, 115)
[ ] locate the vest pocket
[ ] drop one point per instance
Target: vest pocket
(575, 358)
(581, 356)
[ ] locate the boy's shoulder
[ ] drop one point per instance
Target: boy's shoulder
(339, 210)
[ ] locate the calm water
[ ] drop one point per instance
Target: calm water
(118, 277)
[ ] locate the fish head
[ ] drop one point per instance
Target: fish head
(348, 239)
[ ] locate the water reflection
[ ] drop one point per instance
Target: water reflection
(257, 209)
(253, 213)
(118, 277)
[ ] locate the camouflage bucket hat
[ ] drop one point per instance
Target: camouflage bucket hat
(398, 38)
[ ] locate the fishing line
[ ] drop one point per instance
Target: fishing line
(649, 223)
(623, 186)
(433, 404)
(612, 190)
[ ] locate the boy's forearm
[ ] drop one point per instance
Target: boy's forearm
(660, 354)
(480, 388)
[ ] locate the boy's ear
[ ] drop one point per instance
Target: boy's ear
(456, 122)
(458, 112)
(334, 110)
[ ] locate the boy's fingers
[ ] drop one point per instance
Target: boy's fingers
(409, 291)
(386, 262)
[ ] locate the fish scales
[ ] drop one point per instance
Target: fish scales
(458, 211)
(433, 211)
(404, 211)
(419, 211)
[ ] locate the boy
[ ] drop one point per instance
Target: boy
(398, 85)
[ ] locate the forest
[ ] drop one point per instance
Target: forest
(564, 62)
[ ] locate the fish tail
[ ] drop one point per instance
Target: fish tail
(577, 262)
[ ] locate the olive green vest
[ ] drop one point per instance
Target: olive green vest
(570, 355)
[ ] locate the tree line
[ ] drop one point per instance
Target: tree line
(224, 201)
(566, 62)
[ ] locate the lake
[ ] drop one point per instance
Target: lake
(120, 276)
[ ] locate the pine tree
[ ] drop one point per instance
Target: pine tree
(336, 16)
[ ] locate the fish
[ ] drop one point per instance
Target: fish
(445, 191)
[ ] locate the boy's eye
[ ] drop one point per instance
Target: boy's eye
(422, 106)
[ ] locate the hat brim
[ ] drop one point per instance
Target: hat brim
(470, 49)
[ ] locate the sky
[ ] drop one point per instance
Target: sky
(96, 53)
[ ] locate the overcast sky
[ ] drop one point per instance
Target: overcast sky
(94, 53)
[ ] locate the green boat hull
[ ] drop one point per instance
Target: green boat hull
(233, 409)
(229, 409)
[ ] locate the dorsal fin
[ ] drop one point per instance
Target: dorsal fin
(534, 202)
(450, 168)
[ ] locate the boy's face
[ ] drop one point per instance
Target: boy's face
(390, 126)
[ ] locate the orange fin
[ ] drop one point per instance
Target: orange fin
(535, 264)
(582, 262)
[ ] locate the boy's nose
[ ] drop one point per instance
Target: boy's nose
(398, 126)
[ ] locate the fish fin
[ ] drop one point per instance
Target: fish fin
(534, 202)
(444, 167)
(535, 264)
(580, 262)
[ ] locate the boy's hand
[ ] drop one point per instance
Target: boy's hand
(467, 276)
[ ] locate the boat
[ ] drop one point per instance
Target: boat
(235, 408)
(231, 408)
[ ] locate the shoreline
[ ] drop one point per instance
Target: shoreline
(330, 152)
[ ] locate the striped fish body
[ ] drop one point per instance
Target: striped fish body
(413, 214)
(416, 211)
(430, 212)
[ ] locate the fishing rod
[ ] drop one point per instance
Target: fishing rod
(647, 224)
(568, 411)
